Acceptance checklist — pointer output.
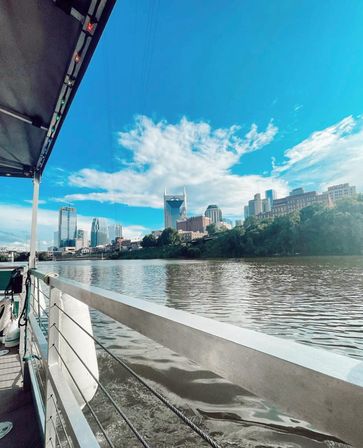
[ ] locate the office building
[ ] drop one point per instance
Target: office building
(194, 224)
(341, 191)
(56, 239)
(114, 231)
(82, 239)
(238, 223)
(99, 232)
(270, 195)
(214, 213)
(175, 208)
(296, 200)
(187, 237)
(257, 205)
(266, 205)
(67, 227)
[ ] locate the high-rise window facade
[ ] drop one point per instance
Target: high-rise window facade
(114, 231)
(67, 227)
(175, 209)
(99, 232)
(214, 213)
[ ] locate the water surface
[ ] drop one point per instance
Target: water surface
(315, 301)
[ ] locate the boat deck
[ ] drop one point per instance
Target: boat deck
(16, 405)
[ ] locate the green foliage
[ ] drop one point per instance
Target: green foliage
(149, 241)
(212, 229)
(168, 237)
(314, 230)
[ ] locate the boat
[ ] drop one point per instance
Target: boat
(44, 53)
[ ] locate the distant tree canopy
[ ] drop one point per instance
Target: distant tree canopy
(314, 230)
(212, 229)
(149, 241)
(168, 237)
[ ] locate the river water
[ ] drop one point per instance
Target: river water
(315, 301)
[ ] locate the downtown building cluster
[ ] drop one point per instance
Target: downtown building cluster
(271, 207)
(70, 239)
(194, 227)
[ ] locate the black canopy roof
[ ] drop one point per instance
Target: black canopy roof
(45, 48)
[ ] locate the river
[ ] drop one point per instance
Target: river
(315, 301)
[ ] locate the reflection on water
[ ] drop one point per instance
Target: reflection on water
(315, 301)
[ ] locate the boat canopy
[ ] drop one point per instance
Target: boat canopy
(45, 49)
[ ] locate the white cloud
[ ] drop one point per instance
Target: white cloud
(172, 156)
(333, 155)
(16, 223)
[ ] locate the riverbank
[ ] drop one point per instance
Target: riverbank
(314, 230)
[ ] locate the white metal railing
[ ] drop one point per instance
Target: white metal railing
(321, 387)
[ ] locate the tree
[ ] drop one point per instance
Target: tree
(212, 229)
(149, 241)
(168, 237)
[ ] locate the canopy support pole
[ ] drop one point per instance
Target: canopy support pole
(33, 236)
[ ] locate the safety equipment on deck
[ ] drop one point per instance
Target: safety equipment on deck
(9, 309)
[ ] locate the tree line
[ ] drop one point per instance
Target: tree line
(314, 230)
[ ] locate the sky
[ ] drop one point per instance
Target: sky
(225, 98)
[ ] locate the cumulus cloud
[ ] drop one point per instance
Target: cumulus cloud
(330, 156)
(15, 229)
(171, 156)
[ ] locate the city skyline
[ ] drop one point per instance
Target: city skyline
(227, 120)
(270, 206)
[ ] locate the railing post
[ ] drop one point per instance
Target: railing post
(38, 299)
(53, 359)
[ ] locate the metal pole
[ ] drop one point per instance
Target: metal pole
(53, 360)
(33, 237)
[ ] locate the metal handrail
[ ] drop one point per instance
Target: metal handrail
(159, 396)
(321, 387)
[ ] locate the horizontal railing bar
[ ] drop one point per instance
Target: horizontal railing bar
(39, 405)
(39, 337)
(79, 429)
(166, 402)
(321, 387)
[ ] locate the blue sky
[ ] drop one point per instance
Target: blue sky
(224, 98)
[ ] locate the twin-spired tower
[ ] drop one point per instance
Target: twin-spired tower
(175, 208)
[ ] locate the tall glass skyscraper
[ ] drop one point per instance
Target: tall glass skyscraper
(175, 208)
(270, 195)
(99, 232)
(67, 227)
(114, 231)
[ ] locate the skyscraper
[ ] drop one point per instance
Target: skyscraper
(56, 239)
(82, 239)
(114, 231)
(99, 232)
(175, 208)
(270, 195)
(258, 203)
(67, 227)
(214, 213)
